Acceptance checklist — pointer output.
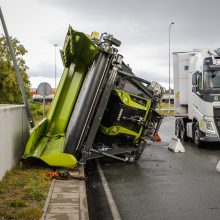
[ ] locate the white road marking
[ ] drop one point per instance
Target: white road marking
(218, 167)
(111, 201)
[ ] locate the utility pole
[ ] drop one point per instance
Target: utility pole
(17, 71)
(55, 66)
(172, 23)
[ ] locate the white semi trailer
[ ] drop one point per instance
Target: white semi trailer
(197, 95)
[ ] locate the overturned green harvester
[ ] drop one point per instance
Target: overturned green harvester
(100, 108)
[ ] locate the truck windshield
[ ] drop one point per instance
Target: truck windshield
(211, 80)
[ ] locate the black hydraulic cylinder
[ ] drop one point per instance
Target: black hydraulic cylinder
(133, 77)
(84, 104)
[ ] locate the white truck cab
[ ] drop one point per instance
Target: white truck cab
(197, 95)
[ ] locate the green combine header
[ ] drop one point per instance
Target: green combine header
(100, 108)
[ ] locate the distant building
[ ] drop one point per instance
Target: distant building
(39, 98)
(33, 91)
(165, 98)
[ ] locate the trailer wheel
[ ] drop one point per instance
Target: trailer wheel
(196, 135)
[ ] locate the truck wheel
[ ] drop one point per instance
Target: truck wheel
(178, 128)
(182, 133)
(196, 135)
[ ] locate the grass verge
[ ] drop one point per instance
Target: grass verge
(37, 111)
(23, 192)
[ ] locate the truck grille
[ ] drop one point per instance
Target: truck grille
(216, 111)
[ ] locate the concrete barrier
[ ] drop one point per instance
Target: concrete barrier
(14, 132)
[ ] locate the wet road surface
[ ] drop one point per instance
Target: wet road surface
(167, 185)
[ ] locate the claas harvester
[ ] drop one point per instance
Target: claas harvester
(100, 107)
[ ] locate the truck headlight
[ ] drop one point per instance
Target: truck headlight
(209, 125)
(211, 135)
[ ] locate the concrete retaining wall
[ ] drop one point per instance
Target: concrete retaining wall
(14, 132)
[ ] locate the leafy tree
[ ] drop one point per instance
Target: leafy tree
(9, 89)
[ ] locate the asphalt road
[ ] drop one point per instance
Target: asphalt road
(167, 185)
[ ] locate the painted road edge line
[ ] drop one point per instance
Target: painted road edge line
(218, 166)
(111, 201)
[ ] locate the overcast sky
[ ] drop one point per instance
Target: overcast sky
(141, 25)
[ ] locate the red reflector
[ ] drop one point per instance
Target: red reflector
(158, 139)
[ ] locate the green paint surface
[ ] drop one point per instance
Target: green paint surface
(46, 141)
(126, 99)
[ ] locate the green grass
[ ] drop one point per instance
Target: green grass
(23, 192)
(18, 203)
(37, 111)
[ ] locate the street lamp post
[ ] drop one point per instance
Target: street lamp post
(169, 62)
(55, 65)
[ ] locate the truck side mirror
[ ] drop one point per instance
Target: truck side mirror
(194, 79)
(197, 84)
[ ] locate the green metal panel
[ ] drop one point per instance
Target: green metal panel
(126, 99)
(62, 108)
(36, 134)
(46, 141)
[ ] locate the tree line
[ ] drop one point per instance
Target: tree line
(9, 89)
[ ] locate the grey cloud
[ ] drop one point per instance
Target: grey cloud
(142, 26)
(153, 76)
(44, 70)
(145, 22)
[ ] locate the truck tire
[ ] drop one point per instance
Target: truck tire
(183, 135)
(183, 131)
(180, 129)
(177, 130)
(196, 135)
